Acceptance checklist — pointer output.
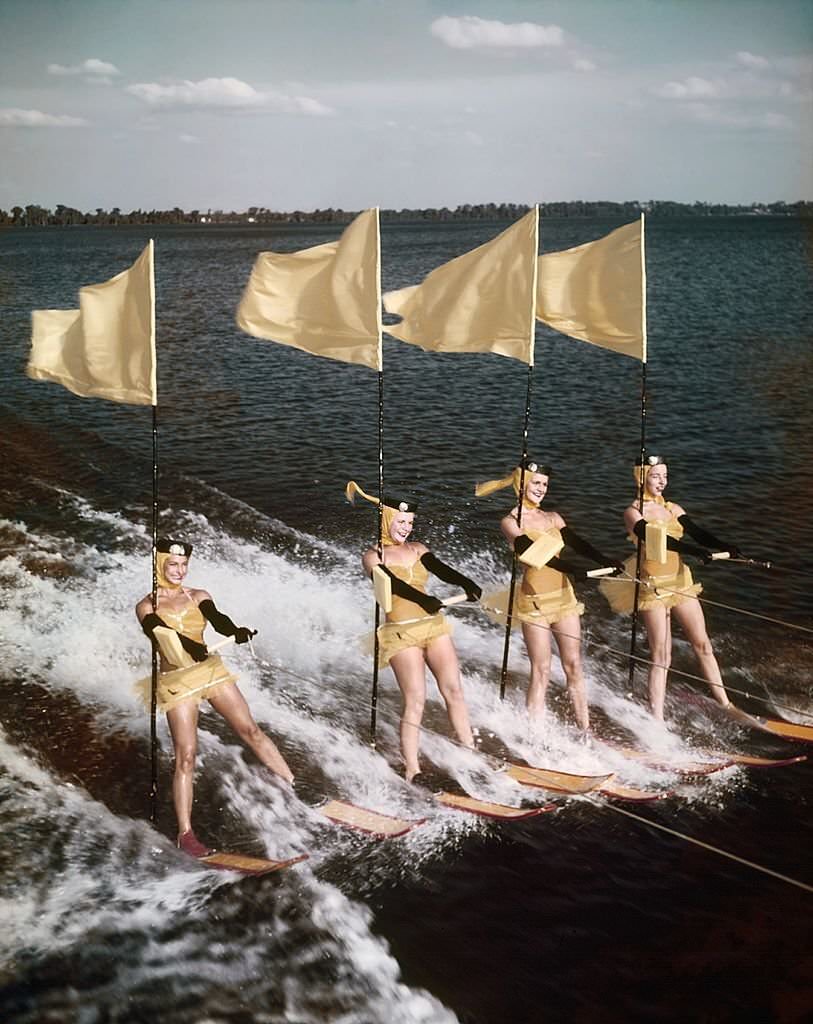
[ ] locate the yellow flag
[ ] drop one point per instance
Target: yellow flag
(106, 348)
(483, 301)
(325, 300)
(597, 292)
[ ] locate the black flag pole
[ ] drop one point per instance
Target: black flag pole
(639, 550)
(513, 584)
(380, 521)
(641, 460)
(154, 683)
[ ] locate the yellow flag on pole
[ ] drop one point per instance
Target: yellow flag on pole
(597, 292)
(106, 348)
(482, 301)
(325, 300)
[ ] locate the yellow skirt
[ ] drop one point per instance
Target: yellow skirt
(199, 682)
(535, 609)
(397, 636)
(654, 592)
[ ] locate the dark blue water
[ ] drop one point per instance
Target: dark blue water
(579, 915)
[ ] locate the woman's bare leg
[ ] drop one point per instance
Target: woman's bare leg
(659, 634)
(183, 727)
(568, 639)
(690, 616)
(441, 657)
(410, 672)
(231, 704)
(537, 642)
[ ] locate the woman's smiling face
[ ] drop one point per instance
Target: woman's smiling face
(401, 526)
(536, 487)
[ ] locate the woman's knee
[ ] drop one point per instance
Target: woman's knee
(702, 647)
(571, 665)
(249, 732)
(413, 708)
(185, 758)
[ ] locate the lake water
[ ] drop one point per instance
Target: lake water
(581, 915)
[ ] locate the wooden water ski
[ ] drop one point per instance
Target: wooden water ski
(688, 766)
(487, 809)
(749, 761)
(618, 791)
(557, 782)
(787, 730)
(224, 861)
(382, 826)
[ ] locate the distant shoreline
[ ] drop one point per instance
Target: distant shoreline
(66, 216)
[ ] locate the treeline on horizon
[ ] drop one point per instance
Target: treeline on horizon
(67, 216)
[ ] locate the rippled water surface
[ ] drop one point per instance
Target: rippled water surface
(584, 914)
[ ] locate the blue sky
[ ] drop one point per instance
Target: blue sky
(298, 104)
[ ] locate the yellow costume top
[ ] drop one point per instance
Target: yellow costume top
(416, 576)
(199, 682)
(664, 584)
(189, 621)
(408, 625)
(544, 596)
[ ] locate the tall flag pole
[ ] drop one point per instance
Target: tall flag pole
(326, 300)
(642, 474)
(596, 293)
(106, 349)
(380, 545)
(482, 301)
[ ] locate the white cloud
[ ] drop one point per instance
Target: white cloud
(474, 138)
(752, 60)
(223, 93)
(189, 140)
(691, 88)
(13, 117)
(582, 64)
(715, 115)
(470, 32)
(92, 67)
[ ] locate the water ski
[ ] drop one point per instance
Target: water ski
(224, 861)
(557, 782)
(676, 764)
(778, 727)
(749, 761)
(774, 726)
(382, 826)
(717, 760)
(568, 782)
(487, 809)
(618, 791)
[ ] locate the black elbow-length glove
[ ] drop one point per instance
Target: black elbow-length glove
(449, 575)
(585, 548)
(705, 538)
(431, 605)
(223, 624)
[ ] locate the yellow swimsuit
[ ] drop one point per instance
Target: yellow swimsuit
(407, 624)
(663, 584)
(544, 597)
(199, 682)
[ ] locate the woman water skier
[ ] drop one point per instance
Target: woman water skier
(667, 587)
(416, 633)
(545, 602)
(186, 611)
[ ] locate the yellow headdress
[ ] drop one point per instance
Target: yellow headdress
(390, 508)
(513, 480)
(641, 472)
(165, 549)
